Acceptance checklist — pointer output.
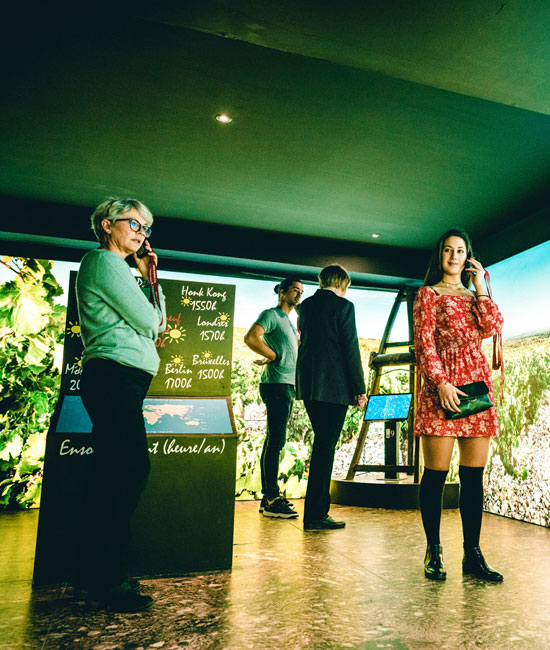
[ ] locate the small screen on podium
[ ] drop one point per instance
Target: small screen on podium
(388, 407)
(162, 415)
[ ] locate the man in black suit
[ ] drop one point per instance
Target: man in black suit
(329, 377)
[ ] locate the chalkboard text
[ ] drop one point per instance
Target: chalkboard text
(177, 369)
(198, 336)
(179, 382)
(73, 369)
(212, 323)
(187, 292)
(171, 446)
(213, 361)
(211, 373)
(67, 450)
(204, 305)
(212, 335)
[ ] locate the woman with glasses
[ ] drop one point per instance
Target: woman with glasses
(120, 321)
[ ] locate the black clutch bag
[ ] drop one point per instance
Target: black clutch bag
(477, 400)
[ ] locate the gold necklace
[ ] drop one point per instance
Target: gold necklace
(450, 285)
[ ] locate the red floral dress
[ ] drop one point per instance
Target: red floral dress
(448, 331)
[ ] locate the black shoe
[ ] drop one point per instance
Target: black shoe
(263, 504)
(80, 588)
(79, 591)
(290, 505)
(474, 564)
(327, 523)
(434, 569)
(135, 584)
(121, 598)
(279, 507)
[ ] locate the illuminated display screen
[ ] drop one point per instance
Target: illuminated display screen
(388, 407)
(162, 415)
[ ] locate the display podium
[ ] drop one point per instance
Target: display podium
(184, 520)
(361, 485)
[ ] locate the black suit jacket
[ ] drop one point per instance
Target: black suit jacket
(329, 362)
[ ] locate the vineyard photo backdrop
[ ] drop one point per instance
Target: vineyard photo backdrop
(517, 479)
(518, 473)
(31, 326)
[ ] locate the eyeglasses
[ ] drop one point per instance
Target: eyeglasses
(137, 227)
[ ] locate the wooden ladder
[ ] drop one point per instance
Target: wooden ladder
(382, 359)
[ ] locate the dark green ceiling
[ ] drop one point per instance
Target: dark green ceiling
(349, 118)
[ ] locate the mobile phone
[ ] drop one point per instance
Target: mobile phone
(468, 264)
(141, 251)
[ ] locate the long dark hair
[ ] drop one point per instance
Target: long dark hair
(434, 272)
(284, 285)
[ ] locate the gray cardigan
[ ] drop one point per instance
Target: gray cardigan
(117, 320)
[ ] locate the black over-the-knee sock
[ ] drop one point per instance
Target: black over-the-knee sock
(471, 503)
(430, 497)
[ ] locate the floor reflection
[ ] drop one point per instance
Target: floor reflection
(361, 587)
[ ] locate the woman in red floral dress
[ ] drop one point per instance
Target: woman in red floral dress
(450, 322)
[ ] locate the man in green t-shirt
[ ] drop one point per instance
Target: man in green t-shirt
(275, 338)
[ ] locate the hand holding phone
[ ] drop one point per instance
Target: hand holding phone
(477, 273)
(146, 261)
(144, 257)
(142, 251)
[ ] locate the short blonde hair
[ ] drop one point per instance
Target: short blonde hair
(334, 275)
(112, 209)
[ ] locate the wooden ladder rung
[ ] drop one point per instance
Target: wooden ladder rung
(385, 468)
(391, 359)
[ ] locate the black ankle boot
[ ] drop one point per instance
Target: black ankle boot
(434, 568)
(474, 564)
(119, 598)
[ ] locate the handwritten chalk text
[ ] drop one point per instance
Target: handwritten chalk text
(171, 446)
(67, 450)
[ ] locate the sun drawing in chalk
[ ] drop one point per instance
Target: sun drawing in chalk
(186, 302)
(206, 354)
(174, 334)
(177, 358)
(78, 362)
(223, 317)
(73, 329)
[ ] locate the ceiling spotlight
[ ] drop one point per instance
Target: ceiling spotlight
(375, 235)
(223, 118)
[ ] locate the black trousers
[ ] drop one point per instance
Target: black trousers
(113, 395)
(278, 400)
(327, 420)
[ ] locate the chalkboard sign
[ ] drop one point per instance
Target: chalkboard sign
(73, 347)
(196, 348)
(190, 435)
(192, 480)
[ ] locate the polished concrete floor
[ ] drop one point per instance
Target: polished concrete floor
(361, 587)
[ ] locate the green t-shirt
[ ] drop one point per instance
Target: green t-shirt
(281, 336)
